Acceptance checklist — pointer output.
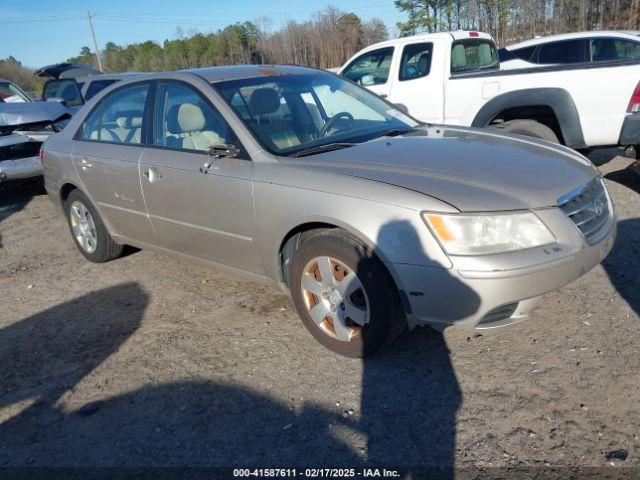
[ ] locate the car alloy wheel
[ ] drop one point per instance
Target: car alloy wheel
(83, 226)
(335, 298)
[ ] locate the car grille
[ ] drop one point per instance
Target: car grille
(588, 208)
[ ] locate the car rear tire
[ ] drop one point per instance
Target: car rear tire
(529, 128)
(353, 308)
(89, 233)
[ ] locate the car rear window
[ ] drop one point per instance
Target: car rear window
(473, 54)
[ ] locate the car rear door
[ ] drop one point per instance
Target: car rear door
(198, 204)
(105, 153)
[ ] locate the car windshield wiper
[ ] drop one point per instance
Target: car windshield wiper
(321, 148)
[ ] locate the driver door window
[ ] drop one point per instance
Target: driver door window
(371, 68)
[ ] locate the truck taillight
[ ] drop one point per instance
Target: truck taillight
(41, 156)
(634, 103)
(474, 34)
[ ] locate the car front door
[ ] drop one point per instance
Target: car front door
(371, 70)
(417, 87)
(199, 204)
(105, 154)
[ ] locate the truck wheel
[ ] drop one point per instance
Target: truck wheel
(529, 128)
(88, 231)
(345, 296)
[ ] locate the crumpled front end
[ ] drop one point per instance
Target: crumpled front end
(19, 156)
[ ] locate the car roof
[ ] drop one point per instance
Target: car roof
(238, 72)
(628, 34)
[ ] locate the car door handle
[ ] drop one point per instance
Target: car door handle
(84, 164)
(152, 174)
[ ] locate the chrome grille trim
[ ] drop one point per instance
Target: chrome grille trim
(588, 208)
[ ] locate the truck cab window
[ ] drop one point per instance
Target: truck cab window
(371, 68)
(416, 61)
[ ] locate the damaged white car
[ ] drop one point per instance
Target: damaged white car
(24, 125)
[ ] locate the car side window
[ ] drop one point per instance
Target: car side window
(118, 116)
(371, 68)
(568, 51)
(611, 49)
(97, 86)
(184, 119)
(416, 61)
(524, 53)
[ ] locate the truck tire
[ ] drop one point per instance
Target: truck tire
(337, 279)
(529, 128)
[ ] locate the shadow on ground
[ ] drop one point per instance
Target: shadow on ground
(14, 196)
(623, 263)
(625, 177)
(407, 415)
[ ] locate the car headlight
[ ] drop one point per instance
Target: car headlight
(482, 234)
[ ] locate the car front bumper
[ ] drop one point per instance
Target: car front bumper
(19, 158)
(499, 294)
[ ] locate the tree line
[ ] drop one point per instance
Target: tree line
(330, 36)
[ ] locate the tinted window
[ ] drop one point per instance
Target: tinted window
(524, 53)
(67, 89)
(468, 55)
(96, 86)
(289, 113)
(371, 68)
(118, 117)
(569, 51)
(9, 93)
(416, 61)
(185, 120)
(607, 49)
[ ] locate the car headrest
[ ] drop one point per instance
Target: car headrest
(184, 118)
(423, 63)
(458, 57)
(129, 122)
(264, 101)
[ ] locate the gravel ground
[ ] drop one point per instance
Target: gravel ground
(152, 361)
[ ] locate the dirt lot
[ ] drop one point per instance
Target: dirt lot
(152, 361)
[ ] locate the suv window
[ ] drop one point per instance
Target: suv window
(184, 119)
(118, 116)
(567, 51)
(416, 61)
(607, 49)
(371, 68)
(97, 86)
(65, 88)
(475, 54)
(524, 53)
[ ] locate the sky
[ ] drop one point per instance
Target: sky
(43, 32)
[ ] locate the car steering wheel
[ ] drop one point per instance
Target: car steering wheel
(332, 121)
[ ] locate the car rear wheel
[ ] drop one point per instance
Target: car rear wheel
(88, 231)
(344, 295)
(529, 128)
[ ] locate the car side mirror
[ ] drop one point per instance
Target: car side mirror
(224, 150)
(402, 107)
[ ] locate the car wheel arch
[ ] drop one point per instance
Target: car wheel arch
(557, 100)
(298, 234)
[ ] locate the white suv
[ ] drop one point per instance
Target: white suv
(571, 48)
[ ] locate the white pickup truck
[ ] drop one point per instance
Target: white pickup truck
(455, 78)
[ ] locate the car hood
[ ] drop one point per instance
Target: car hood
(32, 112)
(471, 169)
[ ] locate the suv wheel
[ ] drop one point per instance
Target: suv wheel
(344, 295)
(88, 231)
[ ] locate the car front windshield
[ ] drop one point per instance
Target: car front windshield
(290, 114)
(9, 93)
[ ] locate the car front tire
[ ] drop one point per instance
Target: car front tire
(344, 295)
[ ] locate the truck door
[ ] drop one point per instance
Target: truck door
(418, 80)
(372, 70)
